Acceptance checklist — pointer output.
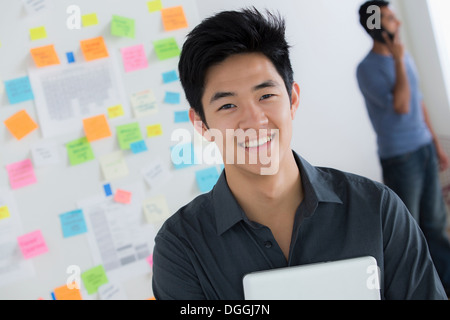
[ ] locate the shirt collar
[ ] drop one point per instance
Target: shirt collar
(317, 187)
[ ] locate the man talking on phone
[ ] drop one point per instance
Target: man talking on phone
(410, 153)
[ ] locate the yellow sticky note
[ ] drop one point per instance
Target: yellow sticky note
(89, 19)
(154, 130)
(4, 212)
(94, 48)
(115, 111)
(20, 124)
(66, 292)
(44, 56)
(154, 5)
(96, 128)
(173, 18)
(38, 33)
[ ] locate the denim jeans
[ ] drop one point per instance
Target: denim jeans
(415, 178)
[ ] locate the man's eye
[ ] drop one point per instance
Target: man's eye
(227, 106)
(266, 96)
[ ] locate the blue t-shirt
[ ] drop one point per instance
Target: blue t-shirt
(397, 134)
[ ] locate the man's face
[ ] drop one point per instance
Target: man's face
(389, 20)
(249, 112)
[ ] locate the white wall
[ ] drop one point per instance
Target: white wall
(332, 127)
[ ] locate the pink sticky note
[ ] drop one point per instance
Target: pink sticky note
(134, 58)
(32, 244)
(150, 260)
(122, 196)
(21, 174)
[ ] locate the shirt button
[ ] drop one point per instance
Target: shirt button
(268, 244)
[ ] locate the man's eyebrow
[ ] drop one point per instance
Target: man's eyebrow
(265, 84)
(220, 95)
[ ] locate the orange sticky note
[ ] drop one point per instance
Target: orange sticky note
(96, 128)
(44, 56)
(20, 124)
(94, 48)
(173, 18)
(66, 293)
(122, 196)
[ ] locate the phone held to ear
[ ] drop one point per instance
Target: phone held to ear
(377, 34)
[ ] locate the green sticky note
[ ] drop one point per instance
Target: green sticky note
(89, 19)
(122, 27)
(38, 33)
(94, 278)
(166, 48)
(154, 5)
(79, 151)
(127, 134)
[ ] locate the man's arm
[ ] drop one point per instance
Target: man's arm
(402, 93)
(444, 163)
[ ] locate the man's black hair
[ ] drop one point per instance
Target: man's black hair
(364, 16)
(229, 33)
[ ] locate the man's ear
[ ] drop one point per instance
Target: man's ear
(295, 98)
(198, 124)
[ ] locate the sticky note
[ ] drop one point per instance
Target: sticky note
(144, 103)
(173, 18)
(44, 56)
(70, 57)
(21, 174)
(72, 223)
(94, 48)
(172, 98)
(154, 130)
(20, 124)
(127, 134)
(154, 5)
(156, 173)
(38, 33)
(170, 76)
(156, 209)
(94, 278)
(89, 19)
(181, 116)
(107, 189)
(138, 146)
(114, 165)
(66, 293)
(149, 259)
(115, 111)
(122, 27)
(32, 244)
(122, 196)
(182, 155)
(134, 58)
(79, 151)
(4, 212)
(45, 153)
(206, 178)
(96, 128)
(19, 90)
(166, 48)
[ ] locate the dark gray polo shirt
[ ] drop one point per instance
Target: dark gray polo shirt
(204, 250)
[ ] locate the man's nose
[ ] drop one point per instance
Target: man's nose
(253, 117)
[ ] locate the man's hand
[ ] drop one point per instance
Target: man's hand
(444, 162)
(395, 46)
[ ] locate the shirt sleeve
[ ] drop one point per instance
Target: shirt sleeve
(409, 272)
(375, 86)
(174, 277)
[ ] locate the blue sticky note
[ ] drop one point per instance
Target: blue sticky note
(73, 223)
(172, 98)
(70, 57)
(181, 116)
(170, 76)
(182, 155)
(206, 178)
(107, 188)
(19, 90)
(138, 146)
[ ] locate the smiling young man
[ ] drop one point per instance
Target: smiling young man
(237, 75)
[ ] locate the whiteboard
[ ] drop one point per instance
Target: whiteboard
(61, 188)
